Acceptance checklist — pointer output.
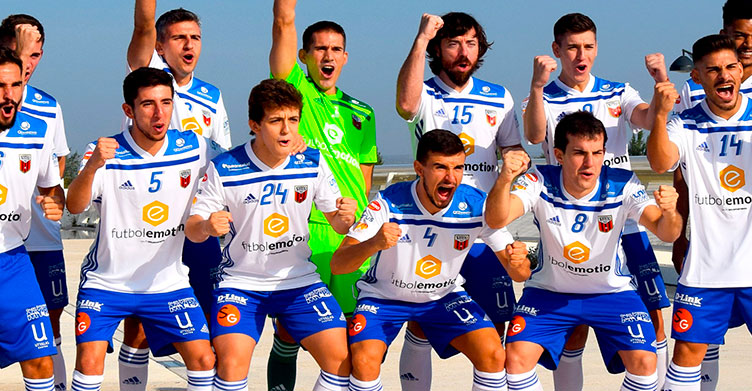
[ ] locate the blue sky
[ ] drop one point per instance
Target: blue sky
(84, 59)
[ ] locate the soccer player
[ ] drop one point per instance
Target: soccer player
(343, 129)
(620, 108)
(420, 233)
(709, 141)
(25, 34)
(482, 115)
(737, 23)
(142, 181)
(27, 162)
(582, 208)
(174, 45)
(266, 271)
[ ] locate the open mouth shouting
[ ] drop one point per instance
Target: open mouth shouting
(327, 71)
(725, 91)
(444, 194)
(8, 110)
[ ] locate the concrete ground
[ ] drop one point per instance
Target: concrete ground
(168, 373)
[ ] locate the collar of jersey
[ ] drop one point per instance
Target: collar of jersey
(184, 88)
(259, 163)
(574, 91)
(414, 192)
(587, 197)
(452, 91)
(734, 118)
(141, 152)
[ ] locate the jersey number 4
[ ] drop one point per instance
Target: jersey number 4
(733, 143)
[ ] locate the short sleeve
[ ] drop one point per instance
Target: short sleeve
(373, 217)
(527, 188)
(497, 239)
(368, 153)
(678, 135)
(685, 99)
(327, 191)
(59, 141)
(49, 170)
(210, 195)
(630, 99)
(221, 133)
(420, 114)
(636, 198)
(97, 185)
(509, 128)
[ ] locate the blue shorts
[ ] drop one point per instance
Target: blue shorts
(703, 315)
(442, 321)
(49, 267)
(488, 283)
(167, 317)
(25, 328)
(644, 267)
(302, 311)
(620, 322)
(203, 261)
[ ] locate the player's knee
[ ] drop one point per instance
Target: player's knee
(492, 360)
(90, 364)
(515, 361)
(366, 361)
(202, 362)
(688, 354)
(37, 368)
(641, 363)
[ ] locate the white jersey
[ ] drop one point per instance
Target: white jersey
(715, 156)
(143, 201)
(197, 106)
(482, 115)
(692, 93)
(267, 247)
(580, 250)
(44, 234)
(611, 102)
(425, 263)
(26, 161)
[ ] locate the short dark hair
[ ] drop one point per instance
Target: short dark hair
(456, 24)
(735, 10)
(711, 44)
(438, 141)
(144, 77)
(171, 17)
(8, 27)
(573, 23)
(578, 124)
(272, 94)
(322, 25)
(8, 56)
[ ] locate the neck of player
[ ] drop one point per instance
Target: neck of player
(149, 145)
(572, 83)
(271, 158)
(424, 199)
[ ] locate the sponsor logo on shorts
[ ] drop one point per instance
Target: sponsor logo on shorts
(324, 313)
(228, 315)
(532, 311)
(682, 320)
(276, 225)
(688, 300)
(185, 323)
(464, 315)
(317, 294)
(182, 304)
(638, 316)
(468, 142)
(576, 252)
(456, 303)
(428, 266)
(367, 308)
(516, 326)
(89, 305)
(83, 322)
(232, 298)
(36, 312)
(732, 178)
(40, 335)
(636, 334)
(356, 325)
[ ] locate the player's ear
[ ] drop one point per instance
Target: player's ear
(255, 126)
(302, 55)
(559, 155)
(128, 110)
(418, 167)
(158, 47)
(695, 75)
(555, 49)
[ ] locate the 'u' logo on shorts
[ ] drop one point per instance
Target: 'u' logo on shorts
(187, 319)
(326, 313)
(36, 335)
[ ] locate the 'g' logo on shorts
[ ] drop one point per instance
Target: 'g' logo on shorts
(228, 315)
(516, 326)
(682, 320)
(356, 325)
(82, 322)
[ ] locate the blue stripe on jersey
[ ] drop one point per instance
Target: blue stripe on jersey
(583, 208)
(226, 258)
(192, 99)
(476, 101)
(718, 129)
(489, 90)
(351, 107)
(21, 145)
(27, 110)
(151, 165)
(270, 178)
(583, 99)
(32, 93)
(90, 261)
(440, 224)
(204, 90)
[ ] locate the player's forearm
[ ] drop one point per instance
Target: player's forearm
(534, 117)
(661, 152)
(367, 170)
(144, 35)
(284, 39)
(61, 165)
(643, 115)
(195, 230)
(349, 257)
(79, 191)
(410, 79)
(498, 204)
(669, 226)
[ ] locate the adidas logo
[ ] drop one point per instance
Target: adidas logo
(127, 185)
(405, 239)
(280, 387)
(706, 378)
(250, 199)
(408, 376)
(555, 221)
(441, 113)
(60, 387)
(132, 380)
(703, 147)
(205, 329)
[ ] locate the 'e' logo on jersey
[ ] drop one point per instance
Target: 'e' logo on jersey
(276, 225)
(576, 252)
(682, 320)
(191, 124)
(155, 213)
(467, 142)
(428, 267)
(732, 178)
(333, 133)
(3, 194)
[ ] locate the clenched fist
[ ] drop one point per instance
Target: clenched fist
(656, 66)
(429, 26)
(218, 223)
(515, 163)
(52, 206)
(104, 151)
(346, 208)
(666, 197)
(543, 66)
(665, 95)
(388, 235)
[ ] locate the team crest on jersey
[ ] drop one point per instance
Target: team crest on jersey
(614, 108)
(357, 122)
(207, 118)
(605, 223)
(301, 192)
(24, 162)
(374, 205)
(461, 241)
(532, 177)
(491, 117)
(185, 178)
